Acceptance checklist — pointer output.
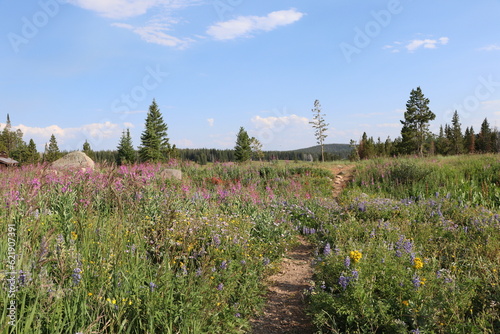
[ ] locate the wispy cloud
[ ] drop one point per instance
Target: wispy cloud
(156, 33)
(120, 9)
(210, 122)
(426, 43)
(491, 47)
(273, 122)
(415, 44)
(72, 138)
(245, 26)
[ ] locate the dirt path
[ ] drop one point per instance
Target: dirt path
(285, 309)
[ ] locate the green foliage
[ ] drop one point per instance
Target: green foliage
(416, 123)
(126, 153)
(155, 145)
(52, 152)
(88, 150)
(242, 150)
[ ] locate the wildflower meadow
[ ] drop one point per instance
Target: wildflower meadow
(410, 246)
(413, 246)
(123, 250)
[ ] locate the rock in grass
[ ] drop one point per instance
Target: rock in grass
(171, 174)
(74, 160)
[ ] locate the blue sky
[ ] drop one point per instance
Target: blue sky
(88, 69)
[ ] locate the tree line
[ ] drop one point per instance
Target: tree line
(416, 139)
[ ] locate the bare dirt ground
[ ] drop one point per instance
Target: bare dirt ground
(285, 308)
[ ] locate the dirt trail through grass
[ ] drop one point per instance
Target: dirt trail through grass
(284, 312)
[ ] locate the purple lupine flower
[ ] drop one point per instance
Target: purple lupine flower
(343, 281)
(362, 207)
(152, 286)
(416, 281)
(327, 250)
(223, 265)
(243, 262)
(237, 315)
(448, 280)
(347, 261)
(216, 240)
(77, 277)
(199, 272)
(415, 331)
(266, 261)
(220, 287)
(355, 274)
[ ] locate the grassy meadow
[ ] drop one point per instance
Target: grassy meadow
(411, 245)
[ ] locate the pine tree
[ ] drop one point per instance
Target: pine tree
(457, 139)
(10, 140)
(154, 141)
(483, 143)
(126, 152)
(242, 150)
(33, 156)
(88, 150)
(319, 124)
(416, 123)
(52, 150)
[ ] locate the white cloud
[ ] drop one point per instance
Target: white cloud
(491, 47)
(413, 45)
(426, 43)
(155, 32)
(119, 9)
(210, 122)
(244, 26)
(273, 122)
(97, 134)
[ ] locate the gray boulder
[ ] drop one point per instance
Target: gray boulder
(74, 160)
(171, 174)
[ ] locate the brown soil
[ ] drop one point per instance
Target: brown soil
(285, 308)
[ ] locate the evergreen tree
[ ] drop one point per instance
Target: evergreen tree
(470, 140)
(457, 139)
(52, 152)
(154, 141)
(33, 156)
(10, 140)
(483, 143)
(319, 124)
(388, 147)
(416, 123)
(242, 150)
(126, 152)
(366, 148)
(88, 150)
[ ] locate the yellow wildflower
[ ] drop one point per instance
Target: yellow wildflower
(355, 256)
(74, 236)
(418, 263)
(405, 303)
